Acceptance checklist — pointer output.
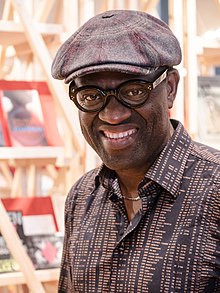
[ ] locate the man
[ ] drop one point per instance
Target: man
(147, 220)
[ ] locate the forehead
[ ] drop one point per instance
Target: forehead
(109, 79)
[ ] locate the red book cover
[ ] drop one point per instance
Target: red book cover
(50, 118)
(30, 113)
(30, 219)
(24, 116)
(4, 134)
(31, 206)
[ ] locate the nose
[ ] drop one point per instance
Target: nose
(114, 112)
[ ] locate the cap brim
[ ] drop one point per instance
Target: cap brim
(117, 67)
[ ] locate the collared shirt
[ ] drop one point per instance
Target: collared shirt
(171, 245)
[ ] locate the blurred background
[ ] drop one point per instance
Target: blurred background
(42, 152)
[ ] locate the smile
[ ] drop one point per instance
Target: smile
(124, 134)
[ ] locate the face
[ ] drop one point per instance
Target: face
(125, 138)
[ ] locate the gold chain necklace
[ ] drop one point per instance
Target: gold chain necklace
(134, 198)
(131, 198)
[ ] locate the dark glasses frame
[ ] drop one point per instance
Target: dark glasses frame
(114, 92)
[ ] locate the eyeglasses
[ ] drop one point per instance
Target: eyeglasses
(132, 93)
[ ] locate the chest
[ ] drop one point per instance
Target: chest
(170, 244)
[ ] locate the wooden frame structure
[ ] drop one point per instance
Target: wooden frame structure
(30, 33)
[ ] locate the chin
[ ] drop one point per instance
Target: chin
(118, 163)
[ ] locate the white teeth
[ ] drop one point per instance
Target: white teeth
(119, 135)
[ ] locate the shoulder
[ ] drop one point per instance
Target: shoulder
(206, 153)
(83, 187)
(86, 182)
(206, 163)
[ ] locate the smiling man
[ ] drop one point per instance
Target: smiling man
(147, 220)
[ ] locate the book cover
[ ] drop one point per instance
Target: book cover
(7, 262)
(209, 110)
(45, 251)
(23, 114)
(30, 113)
(51, 120)
(2, 142)
(35, 223)
(41, 207)
(4, 135)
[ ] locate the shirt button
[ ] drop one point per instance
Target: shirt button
(121, 247)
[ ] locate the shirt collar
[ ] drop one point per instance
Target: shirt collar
(168, 168)
(105, 177)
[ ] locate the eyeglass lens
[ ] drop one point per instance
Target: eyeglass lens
(131, 93)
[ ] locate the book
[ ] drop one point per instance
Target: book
(16, 218)
(35, 223)
(4, 135)
(7, 262)
(2, 143)
(23, 114)
(34, 211)
(51, 120)
(45, 251)
(30, 114)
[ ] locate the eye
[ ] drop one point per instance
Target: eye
(91, 97)
(134, 92)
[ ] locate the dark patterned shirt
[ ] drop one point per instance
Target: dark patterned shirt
(171, 245)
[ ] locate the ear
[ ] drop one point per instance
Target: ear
(172, 84)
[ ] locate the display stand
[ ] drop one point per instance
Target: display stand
(19, 253)
(27, 166)
(22, 167)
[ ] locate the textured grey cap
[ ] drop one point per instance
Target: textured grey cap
(118, 40)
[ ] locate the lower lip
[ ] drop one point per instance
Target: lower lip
(118, 143)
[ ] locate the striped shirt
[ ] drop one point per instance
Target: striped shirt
(171, 245)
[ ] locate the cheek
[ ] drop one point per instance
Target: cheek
(156, 112)
(86, 123)
(86, 119)
(156, 116)
(161, 104)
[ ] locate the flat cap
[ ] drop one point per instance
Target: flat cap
(117, 40)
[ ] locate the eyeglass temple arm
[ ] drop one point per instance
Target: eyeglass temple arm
(160, 79)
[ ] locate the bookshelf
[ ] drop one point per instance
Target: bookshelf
(31, 30)
(17, 278)
(28, 166)
(33, 133)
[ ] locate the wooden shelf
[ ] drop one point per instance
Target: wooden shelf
(12, 33)
(18, 278)
(45, 152)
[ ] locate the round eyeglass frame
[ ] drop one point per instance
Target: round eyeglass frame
(114, 92)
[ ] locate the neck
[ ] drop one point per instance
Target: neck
(129, 188)
(129, 184)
